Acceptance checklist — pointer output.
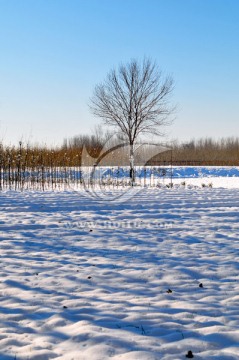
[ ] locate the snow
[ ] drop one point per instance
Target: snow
(177, 171)
(191, 176)
(204, 171)
(217, 176)
(89, 280)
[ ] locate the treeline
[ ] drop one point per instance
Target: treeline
(207, 151)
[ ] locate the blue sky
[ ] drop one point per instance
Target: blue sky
(53, 53)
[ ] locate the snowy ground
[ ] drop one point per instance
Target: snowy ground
(215, 182)
(76, 287)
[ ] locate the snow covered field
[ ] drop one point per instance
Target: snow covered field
(76, 178)
(151, 278)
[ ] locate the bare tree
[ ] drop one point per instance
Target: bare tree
(134, 100)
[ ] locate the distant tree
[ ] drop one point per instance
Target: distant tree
(134, 100)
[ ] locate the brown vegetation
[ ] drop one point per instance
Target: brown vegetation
(196, 152)
(35, 167)
(208, 152)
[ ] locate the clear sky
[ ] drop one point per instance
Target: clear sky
(53, 52)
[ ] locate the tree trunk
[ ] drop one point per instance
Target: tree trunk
(131, 159)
